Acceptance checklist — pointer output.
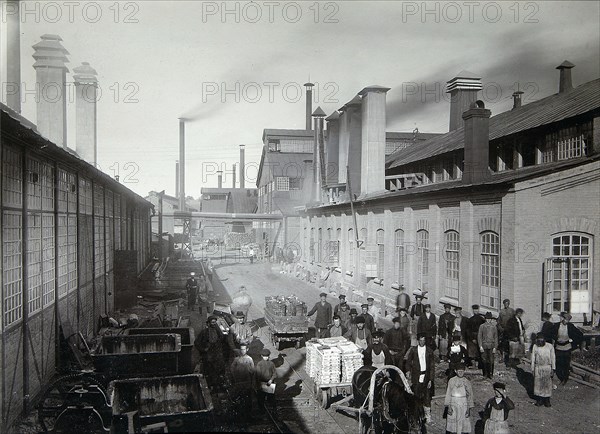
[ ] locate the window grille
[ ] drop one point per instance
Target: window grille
(283, 183)
(380, 252)
(422, 260)
(399, 255)
(490, 269)
(12, 270)
(452, 245)
(48, 258)
(63, 255)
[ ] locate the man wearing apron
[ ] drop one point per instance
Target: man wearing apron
(379, 352)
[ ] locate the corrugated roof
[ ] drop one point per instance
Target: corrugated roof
(548, 110)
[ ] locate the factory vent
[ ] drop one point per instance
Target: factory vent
(517, 100)
(349, 143)
(219, 179)
(477, 141)
(86, 87)
(565, 83)
(463, 91)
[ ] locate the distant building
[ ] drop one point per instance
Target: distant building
(169, 206)
(226, 200)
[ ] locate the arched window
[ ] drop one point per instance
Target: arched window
(380, 252)
(351, 247)
(568, 274)
(422, 260)
(490, 269)
(451, 249)
(399, 255)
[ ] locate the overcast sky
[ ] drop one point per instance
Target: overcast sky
(240, 72)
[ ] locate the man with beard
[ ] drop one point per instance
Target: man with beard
(350, 322)
(427, 325)
(421, 365)
(566, 337)
(359, 334)
(242, 379)
(378, 351)
(543, 364)
(395, 340)
(445, 326)
(210, 344)
(473, 325)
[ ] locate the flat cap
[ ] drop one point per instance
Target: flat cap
(265, 352)
(323, 294)
(475, 306)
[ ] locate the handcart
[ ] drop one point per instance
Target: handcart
(286, 328)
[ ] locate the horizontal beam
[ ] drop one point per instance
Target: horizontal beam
(226, 215)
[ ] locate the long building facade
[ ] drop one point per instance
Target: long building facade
(63, 222)
(499, 207)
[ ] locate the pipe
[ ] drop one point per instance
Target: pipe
(242, 166)
(181, 164)
(13, 73)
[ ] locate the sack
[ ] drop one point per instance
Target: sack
(516, 350)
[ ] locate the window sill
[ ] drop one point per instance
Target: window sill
(378, 281)
(349, 273)
(337, 269)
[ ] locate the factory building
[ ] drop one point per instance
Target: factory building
(503, 206)
(70, 233)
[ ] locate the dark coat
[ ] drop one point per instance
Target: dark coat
(382, 347)
(369, 321)
(396, 340)
(324, 314)
(506, 404)
(511, 331)
(548, 331)
(464, 326)
(351, 334)
(413, 365)
(473, 325)
(427, 325)
(417, 310)
(574, 333)
(445, 325)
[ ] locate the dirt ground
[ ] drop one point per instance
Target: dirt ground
(575, 408)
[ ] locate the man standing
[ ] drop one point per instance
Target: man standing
(403, 299)
(359, 334)
(460, 325)
(505, 314)
(210, 344)
(344, 313)
(427, 325)
(242, 378)
(543, 364)
(488, 342)
(445, 326)
(473, 325)
(265, 377)
(337, 329)
(417, 309)
(515, 334)
(378, 351)
(323, 318)
(191, 287)
(547, 327)
(369, 321)
(351, 320)
(395, 339)
(420, 364)
(374, 311)
(240, 333)
(337, 308)
(566, 337)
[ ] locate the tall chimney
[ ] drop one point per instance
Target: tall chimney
(51, 74)
(242, 166)
(517, 99)
(477, 143)
(177, 180)
(332, 150)
(565, 83)
(372, 168)
(219, 179)
(233, 175)
(309, 87)
(318, 155)
(13, 68)
(350, 143)
(182, 164)
(86, 86)
(463, 92)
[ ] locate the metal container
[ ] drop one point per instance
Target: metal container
(185, 364)
(183, 403)
(139, 355)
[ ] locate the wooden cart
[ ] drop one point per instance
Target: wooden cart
(286, 328)
(326, 392)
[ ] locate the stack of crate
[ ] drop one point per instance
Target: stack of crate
(328, 366)
(311, 358)
(352, 360)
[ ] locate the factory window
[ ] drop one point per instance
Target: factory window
(490, 269)
(295, 183)
(319, 245)
(422, 260)
(351, 247)
(452, 245)
(34, 262)
(34, 184)
(12, 180)
(283, 183)
(63, 257)
(85, 196)
(47, 187)
(568, 142)
(362, 251)
(72, 252)
(311, 245)
(48, 258)
(303, 146)
(399, 255)
(12, 268)
(568, 274)
(273, 145)
(380, 252)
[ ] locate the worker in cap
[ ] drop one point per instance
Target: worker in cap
(459, 402)
(473, 324)
(487, 338)
(427, 324)
(359, 333)
(379, 352)
(191, 287)
(417, 309)
(336, 309)
(240, 332)
(420, 362)
(397, 341)
(567, 337)
(495, 412)
(242, 382)
(373, 310)
(350, 322)
(324, 312)
(265, 378)
(211, 343)
(369, 321)
(445, 329)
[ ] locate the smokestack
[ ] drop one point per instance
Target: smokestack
(233, 175)
(350, 143)
(463, 92)
(517, 99)
(51, 74)
(13, 68)
(182, 164)
(309, 87)
(332, 151)
(86, 86)
(372, 168)
(477, 143)
(219, 179)
(565, 83)
(242, 166)
(318, 155)
(177, 181)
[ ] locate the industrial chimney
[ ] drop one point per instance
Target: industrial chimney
(13, 68)
(463, 92)
(177, 182)
(309, 87)
(219, 179)
(182, 164)
(86, 86)
(477, 143)
(565, 83)
(517, 99)
(242, 166)
(318, 155)
(51, 74)
(332, 150)
(233, 176)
